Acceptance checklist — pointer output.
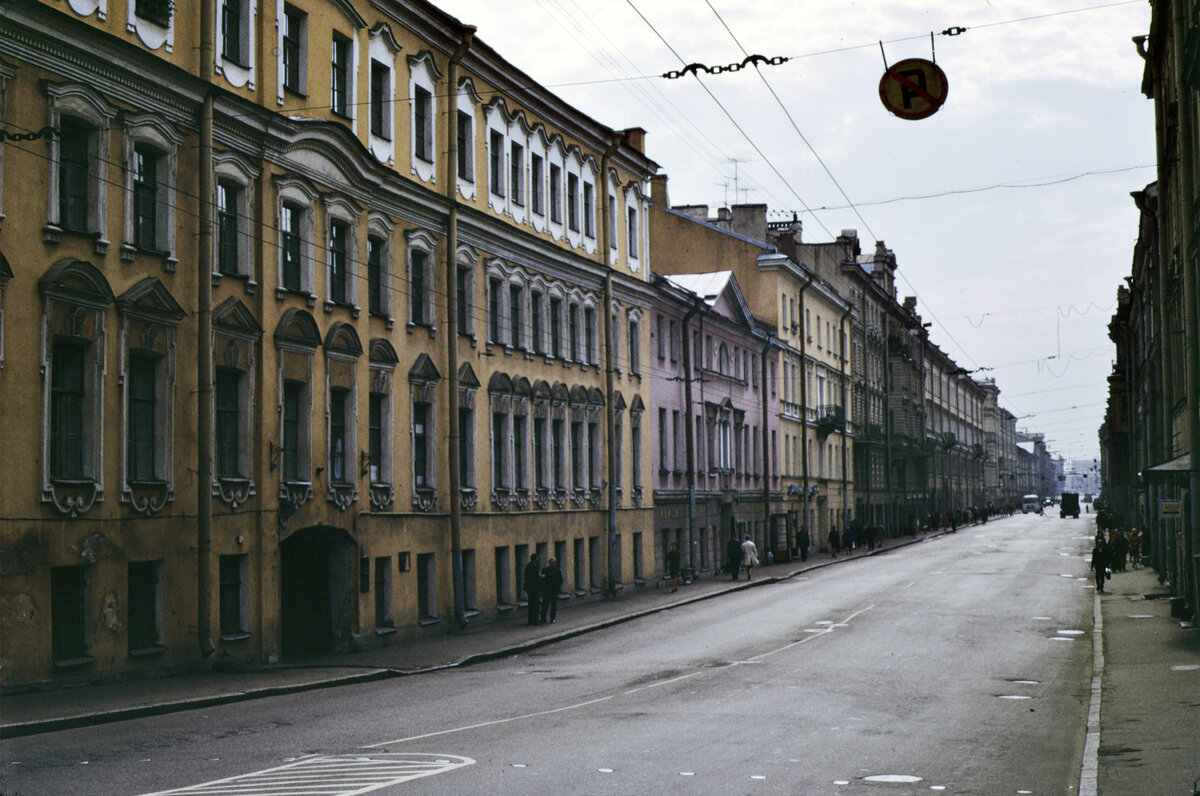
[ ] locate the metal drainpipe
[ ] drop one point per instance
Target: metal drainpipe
(845, 411)
(803, 409)
(204, 359)
(1179, 29)
(614, 562)
(460, 611)
(689, 428)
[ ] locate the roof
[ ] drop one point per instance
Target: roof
(708, 286)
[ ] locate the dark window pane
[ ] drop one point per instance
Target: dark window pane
(143, 604)
(231, 24)
(338, 239)
(68, 612)
(142, 402)
(340, 76)
(337, 435)
(228, 196)
(67, 397)
(375, 438)
(375, 276)
(73, 175)
(290, 245)
(228, 400)
(293, 22)
(420, 443)
(231, 575)
(417, 287)
(145, 197)
(421, 129)
(293, 392)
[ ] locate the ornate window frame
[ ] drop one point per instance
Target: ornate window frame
(296, 341)
(342, 352)
(468, 390)
(636, 409)
(383, 48)
(89, 107)
(466, 261)
(500, 405)
(235, 340)
(149, 317)
(75, 299)
(151, 32)
(232, 168)
(467, 103)
(422, 241)
(423, 72)
(149, 130)
(340, 210)
(423, 379)
(237, 74)
(381, 228)
(297, 193)
(382, 363)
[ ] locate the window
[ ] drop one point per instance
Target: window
(339, 234)
(662, 439)
(536, 176)
(293, 424)
(231, 31)
(383, 592)
(464, 275)
(421, 442)
(422, 123)
(145, 166)
(338, 422)
(573, 202)
(514, 315)
(375, 277)
(69, 608)
(577, 454)
(589, 210)
(496, 161)
(381, 106)
(145, 604)
(74, 155)
(517, 168)
(495, 286)
(555, 193)
(466, 160)
(573, 332)
(632, 233)
(555, 327)
(500, 441)
(612, 222)
(535, 322)
(67, 400)
(375, 437)
(503, 576)
(466, 447)
(594, 451)
(635, 444)
(235, 590)
(227, 402)
(295, 24)
(589, 335)
(141, 416)
(291, 220)
(339, 77)
(635, 347)
(418, 287)
(228, 199)
(539, 451)
(520, 443)
(558, 443)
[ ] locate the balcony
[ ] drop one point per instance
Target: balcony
(834, 419)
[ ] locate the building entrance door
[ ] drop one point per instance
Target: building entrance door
(315, 592)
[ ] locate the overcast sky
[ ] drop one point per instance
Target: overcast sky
(1009, 210)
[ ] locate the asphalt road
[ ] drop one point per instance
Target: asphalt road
(958, 665)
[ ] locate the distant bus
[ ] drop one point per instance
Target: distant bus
(1031, 503)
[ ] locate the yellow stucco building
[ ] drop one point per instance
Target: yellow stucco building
(306, 310)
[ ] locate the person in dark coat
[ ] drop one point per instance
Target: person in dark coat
(733, 556)
(804, 545)
(834, 541)
(1100, 562)
(552, 579)
(673, 567)
(533, 588)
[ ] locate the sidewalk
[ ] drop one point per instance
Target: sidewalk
(1149, 719)
(66, 708)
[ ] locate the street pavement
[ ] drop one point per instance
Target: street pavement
(1143, 736)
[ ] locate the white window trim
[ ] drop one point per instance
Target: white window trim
(422, 241)
(539, 145)
(151, 33)
(423, 72)
(230, 167)
(85, 8)
(589, 175)
(384, 48)
(573, 168)
(300, 491)
(343, 493)
(634, 317)
(147, 129)
(295, 191)
(497, 121)
(150, 303)
(423, 389)
(466, 260)
(556, 156)
(340, 210)
(280, 27)
(236, 336)
(237, 75)
(91, 305)
(382, 367)
(468, 102)
(85, 104)
(381, 228)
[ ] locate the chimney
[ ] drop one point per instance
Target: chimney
(658, 191)
(910, 304)
(635, 137)
(750, 221)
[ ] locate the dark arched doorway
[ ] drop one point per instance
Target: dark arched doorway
(316, 594)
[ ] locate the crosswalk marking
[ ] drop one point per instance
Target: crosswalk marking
(329, 775)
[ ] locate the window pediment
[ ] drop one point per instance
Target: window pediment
(150, 300)
(424, 371)
(467, 379)
(382, 352)
(342, 339)
(424, 61)
(298, 327)
(76, 281)
(232, 316)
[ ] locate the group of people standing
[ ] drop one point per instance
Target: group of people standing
(542, 585)
(741, 554)
(1112, 554)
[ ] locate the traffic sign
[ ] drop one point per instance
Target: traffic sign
(913, 88)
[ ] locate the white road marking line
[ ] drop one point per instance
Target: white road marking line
(823, 632)
(1089, 769)
(494, 722)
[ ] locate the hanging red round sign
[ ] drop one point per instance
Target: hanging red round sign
(913, 88)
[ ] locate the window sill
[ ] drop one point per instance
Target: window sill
(74, 663)
(239, 636)
(428, 621)
(505, 608)
(147, 652)
(385, 631)
(299, 92)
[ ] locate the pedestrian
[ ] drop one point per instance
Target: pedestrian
(834, 541)
(673, 567)
(552, 579)
(749, 556)
(1100, 562)
(1120, 549)
(533, 588)
(733, 556)
(872, 532)
(849, 538)
(804, 545)
(1135, 548)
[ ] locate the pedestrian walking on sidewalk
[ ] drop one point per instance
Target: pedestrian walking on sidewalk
(533, 588)
(834, 541)
(1120, 549)
(1100, 562)
(733, 556)
(1135, 548)
(552, 579)
(749, 556)
(805, 543)
(673, 567)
